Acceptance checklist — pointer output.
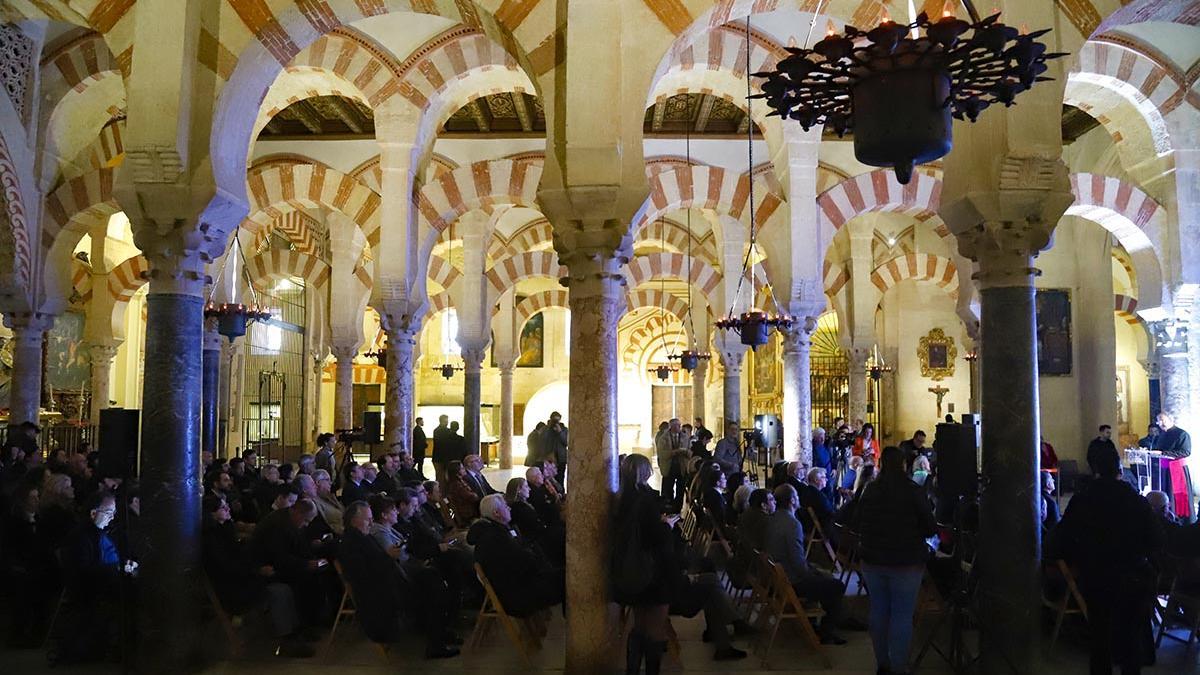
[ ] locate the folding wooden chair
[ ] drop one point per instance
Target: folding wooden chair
(1062, 606)
(1182, 609)
(524, 633)
(847, 559)
(223, 618)
(347, 611)
(816, 535)
(785, 605)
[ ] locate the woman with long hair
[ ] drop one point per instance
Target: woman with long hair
(893, 519)
(639, 521)
(866, 445)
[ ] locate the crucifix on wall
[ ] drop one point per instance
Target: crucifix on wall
(940, 392)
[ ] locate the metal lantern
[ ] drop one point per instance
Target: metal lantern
(232, 318)
(447, 369)
(663, 372)
(755, 327)
(896, 92)
(689, 359)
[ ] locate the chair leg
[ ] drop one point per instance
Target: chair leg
(769, 639)
(1060, 614)
(514, 634)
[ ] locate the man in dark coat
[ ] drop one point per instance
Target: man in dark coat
(93, 570)
(1100, 446)
(280, 542)
(419, 445)
(382, 588)
(522, 577)
(441, 448)
(1110, 532)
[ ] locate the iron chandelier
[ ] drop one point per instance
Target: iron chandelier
(897, 90)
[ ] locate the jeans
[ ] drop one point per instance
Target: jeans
(893, 599)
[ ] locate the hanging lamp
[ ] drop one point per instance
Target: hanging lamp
(689, 359)
(753, 327)
(233, 317)
(898, 90)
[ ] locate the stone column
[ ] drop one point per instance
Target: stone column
(1002, 231)
(858, 383)
(102, 359)
(472, 395)
(1171, 337)
(25, 395)
(212, 381)
(314, 407)
(343, 386)
(398, 392)
(597, 301)
(170, 458)
(506, 412)
(797, 390)
(699, 375)
(731, 393)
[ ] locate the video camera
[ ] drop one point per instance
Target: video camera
(753, 438)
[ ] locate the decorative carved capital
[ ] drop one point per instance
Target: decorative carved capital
(858, 357)
(798, 338)
(102, 353)
(28, 327)
(344, 352)
(473, 359)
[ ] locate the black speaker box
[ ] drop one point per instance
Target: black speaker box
(957, 465)
(372, 427)
(118, 440)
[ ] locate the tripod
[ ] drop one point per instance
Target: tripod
(956, 653)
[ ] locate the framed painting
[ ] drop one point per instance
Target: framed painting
(68, 364)
(532, 344)
(937, 354)
(1054, 331)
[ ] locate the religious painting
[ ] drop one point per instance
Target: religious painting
(1054, 331)
(1122, 390)
(937, 354)
(532, 343)
(68, 364)
(765, 366)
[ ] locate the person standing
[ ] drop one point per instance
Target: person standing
(667, 446)
(1176, 446)
(533, 445)
(1100, 446)
(893, 518)
(728, 452)
(1110, 533)
(419, 444)
(441, 448)
(323, 458)
(554, 441)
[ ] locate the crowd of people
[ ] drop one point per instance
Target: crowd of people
(289, 538)
(292, 538)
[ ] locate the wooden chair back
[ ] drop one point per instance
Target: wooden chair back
(523, 633)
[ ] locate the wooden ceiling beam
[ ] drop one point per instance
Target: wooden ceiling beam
(707, 101)
(660, 114)
(346, 113)
(523, 115)
(478, 115)
(307, 115)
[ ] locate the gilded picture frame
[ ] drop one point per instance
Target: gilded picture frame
(937, 353)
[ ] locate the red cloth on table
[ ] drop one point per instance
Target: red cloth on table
(1179, 487)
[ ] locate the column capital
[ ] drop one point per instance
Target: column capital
(102, 351)
(176, 272)
(1170, 338)
(473, 358)
(28, 325)
(344, 351)
(594, 253)
(798, 338)
(858, 357)
(507, 365)
(1004, 229)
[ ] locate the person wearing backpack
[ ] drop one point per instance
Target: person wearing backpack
(643, 565)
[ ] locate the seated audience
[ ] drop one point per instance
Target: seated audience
(56, 513)
(523, 578)
(525, 519)
(436, 507)
(383, 589)
(355, 488)
(386, 482)
(267, 489)
(279, 542)
(812, 496)
(1049, 503)
(475, 478)
(463, 498)
(542, 497)
(712, 497)
(553, 479)
(327, 505)
(752, 531)
(30, 567)
(741, 498)
(407, 473)
(785, 545)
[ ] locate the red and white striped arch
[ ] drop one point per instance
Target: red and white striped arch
(653, 298)
(675, 236)
(297, 227)
(536, 302)
(648, 336)
(1126, 307)
(475, 186)
(920, 266)
(442, 272)
(125, 279)
(645, 268)
(279, 264)
(537, 234)
(280, 188)
(877, 190)
(705, 187)
(507, 273)
(81, 280)
(836, 277)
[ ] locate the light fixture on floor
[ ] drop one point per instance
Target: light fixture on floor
(897, 90)
(233, 317)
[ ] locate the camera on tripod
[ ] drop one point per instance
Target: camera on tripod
(753, 438)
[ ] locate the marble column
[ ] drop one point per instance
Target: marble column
(506, 413)
(797, 391)
(699, 375)
(1175, 383)
(314, 407)
(212, 380)
(731, 361)
(858, 383)
(102, 359)
(398, 392)
(25, 393)
(472, 395)
(343, 386)
(170, 481)
(597, 302)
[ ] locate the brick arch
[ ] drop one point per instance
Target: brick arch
(506, 273)
(920, 266)
(77, 203)
(446, 57)
(1133, 217)
(878, 190)
(81, 280)
(647, 336)
(106, 152)
(277, 189)
(676, 236)
(1167, 11)
(705, 187)
(642, 298)
(354, 58)
(721, 50)
(125, 279)
(836, 276)
(478, 185)
(1126, 307)
(645, 268)
(278, 263)
(535, 233)
(438, 302)
(442, 271)
(1127, 92)
(297, 227)
(536, 302)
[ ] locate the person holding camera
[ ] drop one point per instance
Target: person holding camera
(554, 441)
(728, 452)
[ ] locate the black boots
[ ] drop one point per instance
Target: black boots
(654, 656)
(637, 648)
